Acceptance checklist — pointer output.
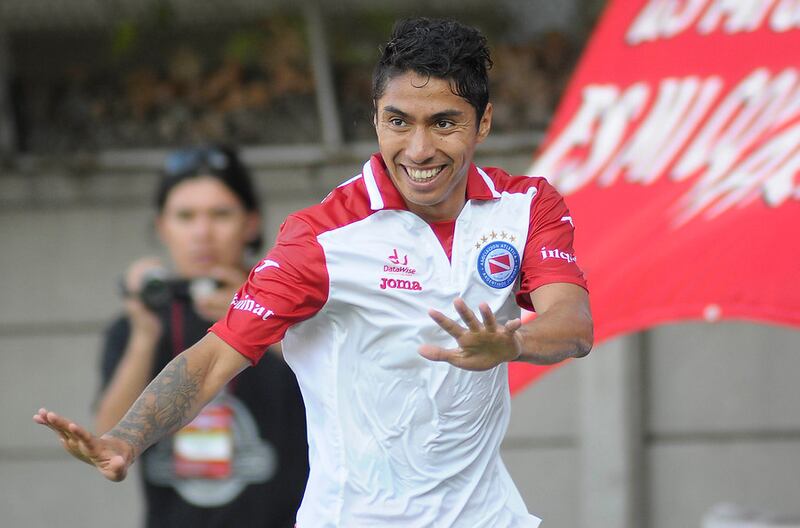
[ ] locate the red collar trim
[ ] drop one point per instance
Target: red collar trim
(479, 185)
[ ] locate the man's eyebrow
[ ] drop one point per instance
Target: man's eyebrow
(394, 110)
(444, 114)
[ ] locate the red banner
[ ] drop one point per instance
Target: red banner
(677, 145)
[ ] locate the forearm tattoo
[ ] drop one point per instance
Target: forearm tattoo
(163, 407)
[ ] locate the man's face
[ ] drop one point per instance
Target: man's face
(204, 225)
(427, 137)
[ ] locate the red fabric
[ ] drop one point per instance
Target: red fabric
(444, 231)
(477, 188)
(677, 146)
(549, 256)
(291, 284)
(293, 290)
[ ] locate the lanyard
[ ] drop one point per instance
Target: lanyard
(178, 338)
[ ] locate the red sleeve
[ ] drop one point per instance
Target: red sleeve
(288, 286)
(549, 256)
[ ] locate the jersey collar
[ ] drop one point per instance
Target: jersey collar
(384, 195)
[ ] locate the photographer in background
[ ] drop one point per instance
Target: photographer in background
(243, 461)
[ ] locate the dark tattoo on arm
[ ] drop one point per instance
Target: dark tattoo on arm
(164, 406)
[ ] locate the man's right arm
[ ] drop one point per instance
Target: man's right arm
(168, 403)
(179, 392)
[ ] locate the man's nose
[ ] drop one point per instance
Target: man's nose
(421, 147)
(203, 226)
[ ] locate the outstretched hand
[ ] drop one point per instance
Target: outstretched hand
(481, 345)
(111, 456)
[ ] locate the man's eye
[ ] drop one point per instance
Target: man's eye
(444, 124)
(396, 121)
(222, 214)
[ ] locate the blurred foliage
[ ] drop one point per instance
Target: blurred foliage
(150, 81)
(526, 81)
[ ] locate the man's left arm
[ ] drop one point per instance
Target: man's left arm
(562, 328)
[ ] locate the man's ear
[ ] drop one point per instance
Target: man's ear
(485, 124)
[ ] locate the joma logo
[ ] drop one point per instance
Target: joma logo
(400, 284)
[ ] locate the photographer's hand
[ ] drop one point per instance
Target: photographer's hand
(215, 305)
(145, 325)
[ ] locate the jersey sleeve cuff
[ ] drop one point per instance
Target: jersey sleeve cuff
(249, 352)
(524, 296)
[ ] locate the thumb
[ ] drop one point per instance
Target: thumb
(513, 325)
(116, 469)
(435, 353)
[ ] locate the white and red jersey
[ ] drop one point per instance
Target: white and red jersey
(395, 439)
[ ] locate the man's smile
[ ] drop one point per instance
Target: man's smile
(419, 175)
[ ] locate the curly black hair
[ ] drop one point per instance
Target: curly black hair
(441, 48)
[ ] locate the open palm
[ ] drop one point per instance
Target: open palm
(109, 455)
(482, 345)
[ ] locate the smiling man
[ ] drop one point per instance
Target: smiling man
(427, 136)
(374, 293)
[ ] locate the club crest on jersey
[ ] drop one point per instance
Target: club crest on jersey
(498, 264)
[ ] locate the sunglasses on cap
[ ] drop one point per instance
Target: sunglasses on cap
(192, 159)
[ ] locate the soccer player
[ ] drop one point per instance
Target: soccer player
(397, 299)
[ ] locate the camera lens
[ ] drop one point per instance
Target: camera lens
(155, 293)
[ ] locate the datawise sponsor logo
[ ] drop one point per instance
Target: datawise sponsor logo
(398, 266)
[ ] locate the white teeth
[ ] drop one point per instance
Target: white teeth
(419, 175)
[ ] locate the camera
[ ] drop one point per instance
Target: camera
(159, 288)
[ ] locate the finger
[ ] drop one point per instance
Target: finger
(228, 275)
(42, 419)
(58, 421)
(202, 304)
(213, 307)
(215, 301)
(74, 450)
(447, 324)
(82, 435)
(63, 435)
(137, 270)
(489, 321)
(41, 416)
(60, 425)
(467, 315)
(435, 353)
(38, 419)
(513, 325)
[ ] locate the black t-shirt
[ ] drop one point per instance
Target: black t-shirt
(270, 461)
